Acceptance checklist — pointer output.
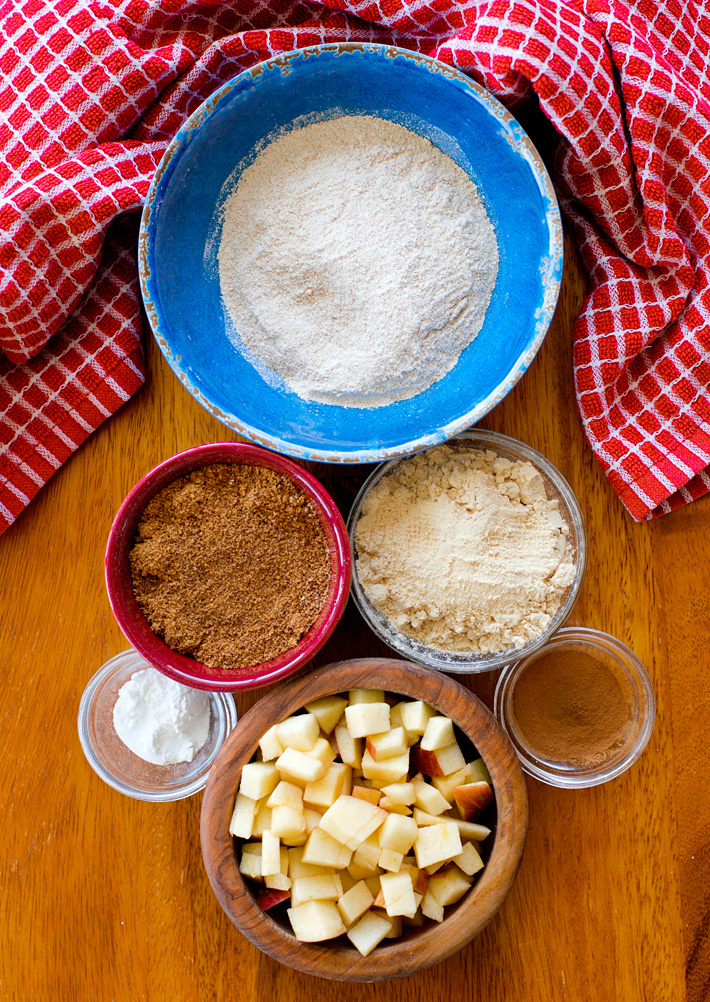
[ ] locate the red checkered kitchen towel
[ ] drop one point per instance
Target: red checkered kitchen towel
(91, 93)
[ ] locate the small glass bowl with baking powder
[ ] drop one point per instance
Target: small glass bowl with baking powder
(468, 662)
(117, 765)
(635, 689)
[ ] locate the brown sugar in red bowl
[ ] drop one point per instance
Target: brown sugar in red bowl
(230, 565)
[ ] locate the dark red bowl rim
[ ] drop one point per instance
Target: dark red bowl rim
(134, 624)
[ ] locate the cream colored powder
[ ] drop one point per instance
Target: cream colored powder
(462, 550)
(356, 262)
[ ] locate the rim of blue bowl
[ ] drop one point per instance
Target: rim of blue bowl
(551, 266)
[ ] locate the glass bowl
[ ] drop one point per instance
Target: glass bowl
(556, 487)
(117, 765)
(633, 678)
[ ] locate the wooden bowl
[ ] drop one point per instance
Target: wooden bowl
(418, 948)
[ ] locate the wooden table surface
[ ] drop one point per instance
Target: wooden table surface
(105, 898)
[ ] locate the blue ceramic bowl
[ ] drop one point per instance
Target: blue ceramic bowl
(181, 227)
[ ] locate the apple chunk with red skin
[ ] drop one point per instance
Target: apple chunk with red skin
(270, 896)
(472, 798)
(439, 761)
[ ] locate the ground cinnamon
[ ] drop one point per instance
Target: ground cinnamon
(571, 707)
(231, 565)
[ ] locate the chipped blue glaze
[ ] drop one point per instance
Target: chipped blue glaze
(180, 228)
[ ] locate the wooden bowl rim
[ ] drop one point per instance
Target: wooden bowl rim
(422, 948)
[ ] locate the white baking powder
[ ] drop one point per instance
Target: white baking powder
(464, 551)
(356, 261)
(160, 720)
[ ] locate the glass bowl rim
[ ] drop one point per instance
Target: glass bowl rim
(221, 702)
(457, 662)
(642, 684)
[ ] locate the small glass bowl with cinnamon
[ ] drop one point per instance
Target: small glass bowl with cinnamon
(579, 711)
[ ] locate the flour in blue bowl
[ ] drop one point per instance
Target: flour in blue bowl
(356, 261)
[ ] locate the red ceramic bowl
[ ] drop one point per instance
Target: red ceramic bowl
(136, 627)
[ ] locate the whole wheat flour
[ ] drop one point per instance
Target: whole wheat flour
(462, 550)
(356, 261)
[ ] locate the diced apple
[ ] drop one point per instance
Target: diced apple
(387, 745)
(262, 821)
(300, 768)
(287, 823)
(315, 921)
(349, 749)
(359, 871)
(366, 696)
(326, 887)
(398, 833)
(323, 850)
(250, 865)
(363, 719)
(270, 745)
(445, 784)
(327, 711)
(254, 847)
(365, 861)
(389, 805)
(420, 881)
(431, 907)
(449, 887)
(467, 829)
(479, 771)
(396, 714)
(312, 819)
(242, 823)
(347, 880)
(428, 797)
(439, 733)
(297, 868)
(278, 881)
(299, 732)
(351, 820)
(441, 761)
(270, 896)
(270, 854)
(368, 932)
(367, 793)
(472, 798)
(354, 849)
(322, 752)
(286, 795)
(259, 779)
(283, 865)
(398, 893)
(436, 843)
(468, 860)
(471, 830)
(401, 793)
(355, 902)
(374, 884)
(327, 790)
(415, 716)
(391, 770)
(391, 860)
(396, 929)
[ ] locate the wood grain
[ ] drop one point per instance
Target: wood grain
(419, 948)
(106, 898)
